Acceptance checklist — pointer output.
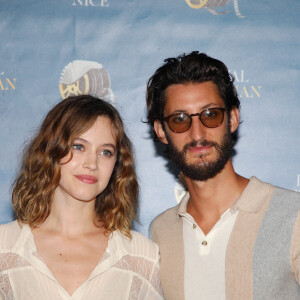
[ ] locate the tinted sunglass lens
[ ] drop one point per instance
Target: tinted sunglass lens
(179, 123)
(212, 117)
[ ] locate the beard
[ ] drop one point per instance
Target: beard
(202, 170)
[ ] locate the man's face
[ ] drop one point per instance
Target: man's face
(200, 152)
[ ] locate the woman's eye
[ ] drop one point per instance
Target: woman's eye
(78, 147)
(106, 153)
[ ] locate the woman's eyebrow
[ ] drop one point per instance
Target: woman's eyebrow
(109, 145)
(81, 139)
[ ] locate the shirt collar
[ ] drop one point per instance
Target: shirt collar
(254, 196)
(251, 200)
(182, 206)
(116, 249)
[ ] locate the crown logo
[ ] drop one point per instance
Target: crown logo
(82, 77)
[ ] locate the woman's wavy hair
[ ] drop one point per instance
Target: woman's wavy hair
(39, 176)
(194, 67)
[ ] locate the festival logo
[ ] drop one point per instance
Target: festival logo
(211, 6)
(244, 88)
(82, 77)
(98, 3)
(7, 83)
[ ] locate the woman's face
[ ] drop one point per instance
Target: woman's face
(87, 174)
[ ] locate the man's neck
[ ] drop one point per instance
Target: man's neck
(211, 198)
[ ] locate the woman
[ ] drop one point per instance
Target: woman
(75, 198)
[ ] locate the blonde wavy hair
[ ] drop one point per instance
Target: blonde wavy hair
(116, 207)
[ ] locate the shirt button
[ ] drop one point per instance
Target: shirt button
(194, 226)
(204, 243)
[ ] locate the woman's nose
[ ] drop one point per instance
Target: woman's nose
(91, 161)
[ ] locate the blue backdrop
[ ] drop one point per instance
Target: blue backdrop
(120, 44)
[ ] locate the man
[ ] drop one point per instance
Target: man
(230, 237)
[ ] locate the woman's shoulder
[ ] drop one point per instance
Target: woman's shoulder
(9, 234)
(140, 245)
(140, 255)
(138, 237)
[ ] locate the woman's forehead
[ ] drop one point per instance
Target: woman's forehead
(101, 129)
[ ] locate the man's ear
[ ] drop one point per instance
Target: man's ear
(160, 132)
(234, 119)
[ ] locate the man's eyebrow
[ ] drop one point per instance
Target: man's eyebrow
(209, 105)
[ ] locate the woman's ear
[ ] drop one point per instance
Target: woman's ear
(160, 132)
(234, 119)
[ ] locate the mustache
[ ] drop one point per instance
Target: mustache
(201, 143)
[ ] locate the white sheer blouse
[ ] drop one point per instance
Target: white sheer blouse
(128, 269)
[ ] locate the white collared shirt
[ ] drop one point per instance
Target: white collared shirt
(127, 270)
(204, 268)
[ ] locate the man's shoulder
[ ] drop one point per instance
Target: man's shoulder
(288, 192)
(289, 197)
(163, 226)
(168, 216)
(259, 185)
(259, 195)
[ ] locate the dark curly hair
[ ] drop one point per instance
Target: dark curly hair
(194, 67)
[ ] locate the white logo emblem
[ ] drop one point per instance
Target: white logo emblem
(82, 77)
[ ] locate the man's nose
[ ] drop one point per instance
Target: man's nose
(197, 130)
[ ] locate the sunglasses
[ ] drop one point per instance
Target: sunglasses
(209, 117)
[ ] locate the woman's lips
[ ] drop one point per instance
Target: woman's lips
(87, 179)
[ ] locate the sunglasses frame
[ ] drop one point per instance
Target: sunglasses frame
(222, 109)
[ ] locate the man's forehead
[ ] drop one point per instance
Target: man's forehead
(185, 95)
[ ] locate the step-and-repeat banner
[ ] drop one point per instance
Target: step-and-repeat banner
(109, 48)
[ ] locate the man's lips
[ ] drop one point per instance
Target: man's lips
(87, 178)
(198, 149)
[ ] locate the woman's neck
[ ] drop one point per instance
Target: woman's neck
(71, 217)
